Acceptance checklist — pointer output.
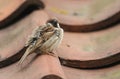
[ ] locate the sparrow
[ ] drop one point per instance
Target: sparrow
(44, 39)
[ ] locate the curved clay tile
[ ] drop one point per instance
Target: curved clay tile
(14, 10)
(84, 16)
(91, 50)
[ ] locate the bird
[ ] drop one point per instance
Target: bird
(44, 39)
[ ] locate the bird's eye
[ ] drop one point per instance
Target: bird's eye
(54, 22)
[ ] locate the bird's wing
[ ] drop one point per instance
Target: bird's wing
(53, 41)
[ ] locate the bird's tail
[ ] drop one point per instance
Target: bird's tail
(28, 51)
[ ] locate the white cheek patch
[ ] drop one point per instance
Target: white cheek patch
(45, 38)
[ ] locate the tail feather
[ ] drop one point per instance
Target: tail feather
(24, 56)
